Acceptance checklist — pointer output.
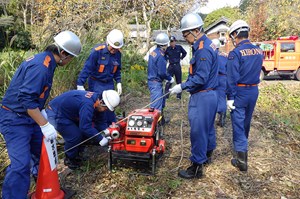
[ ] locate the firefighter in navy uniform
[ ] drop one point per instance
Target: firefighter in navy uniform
(72, 114)
(243, 69)
(157, 72)
(22, 123)
(221, 89)
(201, 84)
(174, 54)
(102, 68)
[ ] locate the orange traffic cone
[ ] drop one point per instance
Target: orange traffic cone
(48, 183)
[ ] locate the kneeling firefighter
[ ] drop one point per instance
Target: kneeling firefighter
(72, 114)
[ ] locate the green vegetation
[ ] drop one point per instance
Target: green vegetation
(9, 62)
(282, 103)
(230, 13)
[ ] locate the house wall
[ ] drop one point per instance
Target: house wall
(228, 44)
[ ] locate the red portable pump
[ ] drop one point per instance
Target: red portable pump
(137, 138)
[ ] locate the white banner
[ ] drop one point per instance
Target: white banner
(52, 153)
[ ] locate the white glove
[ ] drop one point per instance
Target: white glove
(176, 89)
(105, 133)
(104, 141)
(230, 105)
(44, 114)
(171, 81)
(81, 88)
(49, 131)
(119, 87)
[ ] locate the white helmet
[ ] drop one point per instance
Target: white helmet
(111, 99)
(115, 38)
(69, 42)
(239, 25)
(162, 39)
(216, 42)
(191, 21)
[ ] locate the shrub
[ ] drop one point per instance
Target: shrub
(9, 62)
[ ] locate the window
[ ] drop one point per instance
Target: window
(287, 47)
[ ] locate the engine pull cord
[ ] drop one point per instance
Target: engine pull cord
(115, 123)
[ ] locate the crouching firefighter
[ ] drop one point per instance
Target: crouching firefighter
(157, 73)
(72, 114)
(201, 84)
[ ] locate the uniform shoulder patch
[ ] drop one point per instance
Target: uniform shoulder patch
(100, 47)
(201, 45)
(153, 54)
(47, 61)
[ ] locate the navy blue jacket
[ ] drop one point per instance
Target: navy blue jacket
(31, 83)
(203, 73)
(174, 55)
(222, 62)
(77, 106)
(243, 66)
(157, 66)
(101, 65)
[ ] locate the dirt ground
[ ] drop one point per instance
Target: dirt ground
(274, 163)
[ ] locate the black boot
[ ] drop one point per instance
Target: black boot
(72, 163)
(194, 171)
(240, 161)
(208, 155)
(222, 118)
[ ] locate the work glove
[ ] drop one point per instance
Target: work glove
(119, 88)
(171, 81)
(80, 88)
(230, 105)
(176, 89)
(44, 114)
(105, 133)
(105, 141)
(49, 131)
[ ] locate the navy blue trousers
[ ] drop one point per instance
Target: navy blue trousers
(241, 116)
(221, 90)
(23, 139)
(201, 113)
(174, 70)
(156, 91)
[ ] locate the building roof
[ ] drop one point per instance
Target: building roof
(217, 26)
(222, 21)
(176, 33)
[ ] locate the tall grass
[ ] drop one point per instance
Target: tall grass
(134, 79)
(9, 62)
(282, 103)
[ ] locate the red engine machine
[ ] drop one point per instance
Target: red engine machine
(137, 138)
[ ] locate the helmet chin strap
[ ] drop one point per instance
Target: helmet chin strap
(195, 36)
(233, 39)
(237, 33)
